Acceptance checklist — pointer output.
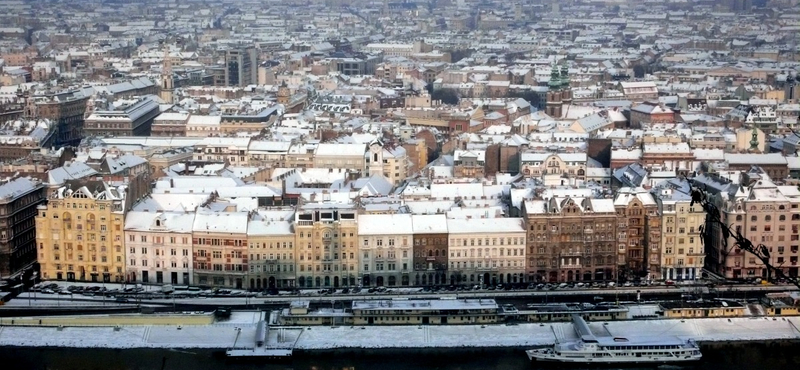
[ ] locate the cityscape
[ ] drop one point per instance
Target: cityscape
(445, 173)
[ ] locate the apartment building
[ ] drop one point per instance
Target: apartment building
(571, 239)
(219, 248)
(334, 155)
(232, 150)
(638, 228)
(19, 200)
(430, 249)
(134, 119)
(271, 243)
(79, 232)
(553, 167)
(385, 249)
(388, 160)
(158, 247)
(674, 156)
(170, 124)
(682, 251)
(764, 213)
(487, 250)
(327, 254)
(241, 66)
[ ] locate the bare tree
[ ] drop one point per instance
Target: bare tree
(714, 224)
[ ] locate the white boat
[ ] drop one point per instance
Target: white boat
(589, 349)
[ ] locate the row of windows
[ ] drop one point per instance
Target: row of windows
(160, 264)
(480, 264)
(159, 252)
(93, 268)
(486, 252)
(159, 239)
(218, 254)
(486, 241)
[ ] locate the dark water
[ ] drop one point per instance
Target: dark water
(774, 356)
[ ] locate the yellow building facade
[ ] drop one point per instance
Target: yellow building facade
(326, 251)
(271, 249)
(79, 233)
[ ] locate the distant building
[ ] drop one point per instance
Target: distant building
(80, 232)
(241, 66)
(134, 119)
(327, 254)
(571, 239)
(159, 247)
(19, 199)
(67, 110)
(271, 260)
(385, 249)
(219, 248)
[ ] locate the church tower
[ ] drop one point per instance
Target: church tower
(31, 110)
(375, 160)
(283, 94)
(553, 104)
(167, 82)
(566, 90)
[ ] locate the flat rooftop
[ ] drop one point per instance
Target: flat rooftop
(427, 305)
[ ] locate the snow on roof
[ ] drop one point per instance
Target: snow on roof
(221, 222)
(171, 116)
(337, 150)
(157, 202)
(554, 205)
(197, 120)
(623, 153)
(757, 159)
(625, 195)
(485, 226)
(429, 224)
(170, 222)
(269, 146)
(226, 142)
(269, 227)
(426, 305)
(667, 148)
(206, 183)
(69, 171)
(442, 191)
(398, 224)
(541, 157)
(17, 187)
(480, 155)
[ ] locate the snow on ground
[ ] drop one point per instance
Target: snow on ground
(240, 332)
(450, 336)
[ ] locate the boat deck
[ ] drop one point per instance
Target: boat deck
(259, 352)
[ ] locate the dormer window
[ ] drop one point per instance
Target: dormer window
(158, 222)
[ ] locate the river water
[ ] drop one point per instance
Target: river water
(775, 356)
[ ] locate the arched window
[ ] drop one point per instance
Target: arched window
(782, 217)
(739, 218)
(767, 218)
(753, 218)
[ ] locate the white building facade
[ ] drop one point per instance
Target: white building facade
(159, 247)
(487, 251)
(385, 249)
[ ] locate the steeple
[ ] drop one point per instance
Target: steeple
(555, 78)
(283, 93)
(167, 82)
(754, 139)
(565, 76)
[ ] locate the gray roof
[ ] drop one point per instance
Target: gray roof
(17, 187)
